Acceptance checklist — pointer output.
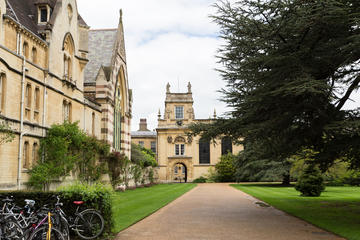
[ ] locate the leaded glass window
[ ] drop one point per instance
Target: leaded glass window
(204, 151)
(179, 112)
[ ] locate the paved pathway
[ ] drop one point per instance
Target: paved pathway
(216, 212)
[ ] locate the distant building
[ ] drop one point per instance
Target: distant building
(144, 137)
(181, 157)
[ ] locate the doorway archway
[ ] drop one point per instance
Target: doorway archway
(180, 172)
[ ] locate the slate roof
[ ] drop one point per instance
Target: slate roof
(101, 47)
(25, 13)
(143, 134)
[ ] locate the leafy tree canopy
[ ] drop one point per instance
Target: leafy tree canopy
(142, 156)
(290, 66)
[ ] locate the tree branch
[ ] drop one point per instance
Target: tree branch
(343, 100)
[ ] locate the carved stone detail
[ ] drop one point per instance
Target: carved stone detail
(180, 139)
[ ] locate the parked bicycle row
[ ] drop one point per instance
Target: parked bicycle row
(47, 222)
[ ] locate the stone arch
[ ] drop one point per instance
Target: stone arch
(120, 108)
(69, 56)
(68, 43)
(179, 174)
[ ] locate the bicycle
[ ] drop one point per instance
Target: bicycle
(88, 224)
(10, 230)
(44, 231)
(9, 227)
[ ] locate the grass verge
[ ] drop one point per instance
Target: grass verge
(336, 210)
(131, 206)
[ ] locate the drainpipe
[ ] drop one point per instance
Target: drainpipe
(22, 133)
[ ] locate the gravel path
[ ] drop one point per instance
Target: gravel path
(218, 211)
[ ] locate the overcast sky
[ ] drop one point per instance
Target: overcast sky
(171, 41)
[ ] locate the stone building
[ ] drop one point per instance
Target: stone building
(44, 49)
(183, 158)
(106, 82)
(144, 137)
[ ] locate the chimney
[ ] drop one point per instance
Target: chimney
(143, 125)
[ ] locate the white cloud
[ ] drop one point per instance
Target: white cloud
(166, 41)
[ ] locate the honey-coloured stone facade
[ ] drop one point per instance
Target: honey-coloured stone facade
(43, 56)
(180, 157)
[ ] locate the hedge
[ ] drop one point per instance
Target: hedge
(95, 196)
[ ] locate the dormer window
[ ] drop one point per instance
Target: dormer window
(43, 13)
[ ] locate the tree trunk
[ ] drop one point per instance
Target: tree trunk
(286, 179)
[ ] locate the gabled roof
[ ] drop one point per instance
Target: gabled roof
(25, 13)
(101, 48)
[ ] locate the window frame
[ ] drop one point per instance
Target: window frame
(34, 55)
(180, 149)
(2, 91)
(43, 9)
(204, 152)
(26, 156)
(176, 112)
(226, 146)
(34, 153)
(153, 146)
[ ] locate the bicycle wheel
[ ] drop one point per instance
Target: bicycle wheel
(89, 224)
(41, 234)
(62, 224)
(11, 230)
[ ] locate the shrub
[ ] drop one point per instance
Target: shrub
(352, 178)
(67, 148)
(200, 180)
(226, 168)
(97, 196)
(117, 163)
(310, 182)
(212, 176)
(142, 156)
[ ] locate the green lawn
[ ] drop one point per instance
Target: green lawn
(133, 205)
(336, 210)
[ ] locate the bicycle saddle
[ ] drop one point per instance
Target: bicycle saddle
(30, 203)
(78, 202)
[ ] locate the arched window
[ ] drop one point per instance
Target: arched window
(37, 99)
(26, 157)
(37, 104)
(66, 111)
(226, 145)
(119, 109)
(69, 62)
(34, 55)
(2, 91)
(28, 101)
(117, 120)
(69, 51)
(35, 153)
(204, 151)
(66, 67)
(26, 50)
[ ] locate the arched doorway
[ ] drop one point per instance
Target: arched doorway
(180, 173)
